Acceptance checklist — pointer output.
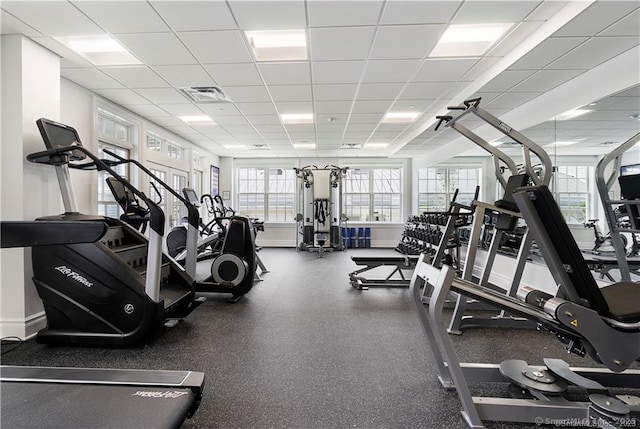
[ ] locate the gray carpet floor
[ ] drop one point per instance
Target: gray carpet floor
(305, 350)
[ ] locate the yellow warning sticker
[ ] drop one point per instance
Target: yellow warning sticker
(574, 322)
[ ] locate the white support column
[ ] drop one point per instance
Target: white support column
(30, 90)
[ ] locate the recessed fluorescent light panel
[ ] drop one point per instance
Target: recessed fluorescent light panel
(562, 143)
(100, 50)
(400, 117)
(469, 40)
(351, 146)
(304, 145)
(235, 146)
(375, 145)
(296, 118)
(570, 114)
(278, 45)
(201, 119)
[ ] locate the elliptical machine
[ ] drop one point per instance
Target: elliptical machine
(232, 272)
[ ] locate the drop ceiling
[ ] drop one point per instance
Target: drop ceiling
(366, 58)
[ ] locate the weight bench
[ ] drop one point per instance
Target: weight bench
(400, 263)
(603, 323)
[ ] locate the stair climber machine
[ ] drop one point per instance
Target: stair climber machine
(319, 202)
(232, 271)
(119, 290)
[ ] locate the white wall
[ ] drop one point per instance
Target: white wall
(30, 90)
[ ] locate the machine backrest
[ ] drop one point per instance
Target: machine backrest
(559, 248)
(514, 182)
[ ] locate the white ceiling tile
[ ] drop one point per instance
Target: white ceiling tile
(522, 32)
(389, 70)
(546, 52)
(149, 111)
(169, 121)
(365, 118)
(329, 43)
(52, 18)
(507, 79)
(122, 96)
(627, 26)
(419, 12)
(425, 90)
(290, 92)
(379, 91)
(264, 119)
(594, 52)
(337, 71)
(123, 16)
(417, 105)
(361, 128)
(162, 95)
(219, 109)
(511, 100)
(394, 42)
(343, 13)
(235, 74)
(485, 96)
(256, 108)
(596, 18)
(334, 92)
(135, 77)
(185, 75)
(157, 48)
(181, 109)
(474, 12)
(269, 128)
(444, 70)
(12, 25)
(295, 107)
(371, 106)
(332, 107)
(216, 47)
(546, 10)
(247, 94)
(263, 15)
(195, 15)
(90, 78)
(285, 73)
(545, 80)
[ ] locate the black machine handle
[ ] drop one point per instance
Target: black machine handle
(45, 233)
(193, 216)
(475, 102)
(441, 119)
(61, 155)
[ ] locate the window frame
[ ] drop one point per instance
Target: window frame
(373, 214)
(448, 186)
(262, 192)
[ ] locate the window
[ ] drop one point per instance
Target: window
(436, 187)
(115, 134)
(154, 142)
(179, 210)
(373, 194)
(158, 194)
(281, 194)
(267, 193)
(175, 151)
(571, 184)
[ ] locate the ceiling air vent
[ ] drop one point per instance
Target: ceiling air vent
(351, 146)
(260, 146)
(205, 94)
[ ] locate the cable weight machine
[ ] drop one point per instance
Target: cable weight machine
(319, 221)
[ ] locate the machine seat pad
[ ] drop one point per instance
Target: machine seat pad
(623, 301)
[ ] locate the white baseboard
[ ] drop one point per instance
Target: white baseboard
(23, 328)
